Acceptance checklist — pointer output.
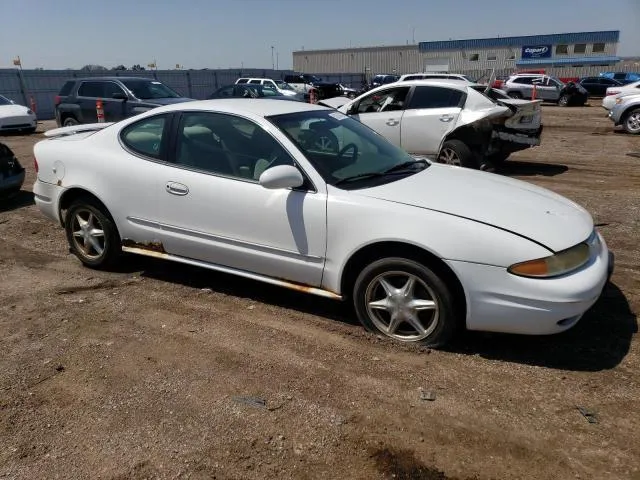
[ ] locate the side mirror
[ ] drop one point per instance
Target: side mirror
(119, 96)
(281, 176)
(353, 109)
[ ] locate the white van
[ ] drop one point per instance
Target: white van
(282, 87)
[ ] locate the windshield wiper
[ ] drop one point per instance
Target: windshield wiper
(401, 168)
(406, 165)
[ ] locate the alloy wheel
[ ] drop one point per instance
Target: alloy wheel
(633, 122)
(450, 157)
(402, 306)
(88, 234)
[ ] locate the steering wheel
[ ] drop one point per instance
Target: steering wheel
(346, 148)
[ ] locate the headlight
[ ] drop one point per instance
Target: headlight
(619, 100)
(562, 262)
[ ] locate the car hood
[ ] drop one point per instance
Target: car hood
(167, 101)
(512, 205)
(13, 110)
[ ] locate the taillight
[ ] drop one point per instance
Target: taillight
(35, 164)
(57, 100)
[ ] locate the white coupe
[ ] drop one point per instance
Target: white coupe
(247, 187)
(14, 117)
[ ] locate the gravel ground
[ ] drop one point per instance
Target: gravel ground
(163, 371)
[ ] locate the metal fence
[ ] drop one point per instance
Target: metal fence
(43, 85)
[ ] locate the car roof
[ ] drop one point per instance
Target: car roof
(445, 82)
(255, 106)
(113, 78)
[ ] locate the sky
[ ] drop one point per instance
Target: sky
(222, 34)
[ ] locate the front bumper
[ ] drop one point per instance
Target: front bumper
(11, 183)
(18, 122)
(498, 301)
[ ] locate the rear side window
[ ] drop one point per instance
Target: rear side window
(436, 97)
(255, 82)
(524, 80)
(66, 88)
(91, 89)
(145, 137)
(242, 80)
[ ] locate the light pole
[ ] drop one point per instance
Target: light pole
(277, 60)
(273, 66)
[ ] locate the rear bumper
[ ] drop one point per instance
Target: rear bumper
(47, 197)
(513, 141)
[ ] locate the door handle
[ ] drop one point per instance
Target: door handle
(175, 188)
(446, 118)
(392, 122)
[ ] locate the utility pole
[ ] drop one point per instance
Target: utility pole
(277, 60)
(273, 65)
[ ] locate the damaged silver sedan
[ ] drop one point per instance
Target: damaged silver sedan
(453, 122)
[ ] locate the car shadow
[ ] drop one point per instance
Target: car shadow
(599, 341)
(514, 167)
(202, 278)
(19, 200)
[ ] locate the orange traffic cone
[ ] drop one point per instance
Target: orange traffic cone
(99, 111)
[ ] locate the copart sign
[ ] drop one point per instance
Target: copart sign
(536, 51)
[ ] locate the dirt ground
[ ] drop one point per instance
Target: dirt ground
(163, 371)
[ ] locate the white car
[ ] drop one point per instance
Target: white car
(241, 187)
(614, 93)
(14, 117)
(450, 120)
(278, 85)
(435, 76)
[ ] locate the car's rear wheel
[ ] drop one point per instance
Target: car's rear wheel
(70, 122)
(515, 94)
(456, 152)
(632, 122)
(406, 301)
(564, 101)
(92, 234)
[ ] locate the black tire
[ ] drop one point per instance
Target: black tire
(439, 324)
(515, 94)
(101, 219)
(564, 100)
(456, 152)
(631, 121)
(70, 122)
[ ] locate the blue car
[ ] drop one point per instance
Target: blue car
(11, 172)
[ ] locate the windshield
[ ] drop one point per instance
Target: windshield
(4, 100)
(146, 90)
(283, 85)
(341, 148)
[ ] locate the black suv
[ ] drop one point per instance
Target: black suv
(122, 97)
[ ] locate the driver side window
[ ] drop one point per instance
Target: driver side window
(392, 99)
(227, 145)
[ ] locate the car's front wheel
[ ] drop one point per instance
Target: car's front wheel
(406, 301)
(632, 122)
(564, 101)
(92, 234)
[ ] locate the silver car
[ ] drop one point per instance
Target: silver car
(626, 112)
(548, 88)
